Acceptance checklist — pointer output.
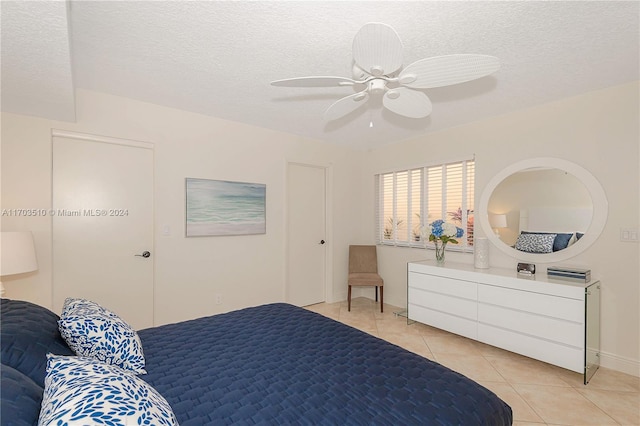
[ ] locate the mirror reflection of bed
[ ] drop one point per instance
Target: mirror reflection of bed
(541, 201)
(568, 224)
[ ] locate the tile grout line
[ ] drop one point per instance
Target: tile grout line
(371, 312)
(514, 389)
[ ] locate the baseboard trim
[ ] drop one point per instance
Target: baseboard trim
(619, 363)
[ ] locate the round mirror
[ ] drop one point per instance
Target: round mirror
(543, 210)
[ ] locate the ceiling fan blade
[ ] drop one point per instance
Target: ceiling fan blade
(447, 70)
(322, 81)
(377, 49)
(346, 105)
(407, 102)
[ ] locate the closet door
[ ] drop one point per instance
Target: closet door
(306, 242)
(103, 224)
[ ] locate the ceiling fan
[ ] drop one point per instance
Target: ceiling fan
(377, 70)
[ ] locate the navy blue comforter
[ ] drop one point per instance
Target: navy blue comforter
(279, 364)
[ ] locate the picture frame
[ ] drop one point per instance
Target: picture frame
(221, 207)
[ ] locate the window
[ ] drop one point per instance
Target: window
(408, 199)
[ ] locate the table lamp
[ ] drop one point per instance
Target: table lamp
(498, 221)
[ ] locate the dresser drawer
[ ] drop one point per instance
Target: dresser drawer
(443, 320)
(544, 327)
(541, 304)
(554, 353)
(442, 285)
(464, 308)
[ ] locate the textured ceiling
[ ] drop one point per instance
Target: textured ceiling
(36, 60)
(217, 58)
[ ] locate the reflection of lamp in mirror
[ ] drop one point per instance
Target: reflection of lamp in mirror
(498, 221)
(17, 254)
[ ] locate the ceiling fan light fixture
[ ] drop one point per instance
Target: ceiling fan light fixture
(376, 71)
(377, 62)
(377, 86)
(359, 96)
(393, 94)
(408, 78)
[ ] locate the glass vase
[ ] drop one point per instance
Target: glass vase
(440, 246)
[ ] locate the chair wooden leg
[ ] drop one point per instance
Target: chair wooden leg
(349, 300)
(381, 299)
(376, 293)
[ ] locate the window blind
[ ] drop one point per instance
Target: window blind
(407, 200)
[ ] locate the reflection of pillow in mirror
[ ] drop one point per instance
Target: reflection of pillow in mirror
(535, 243)
(579, 235)
(561, 241)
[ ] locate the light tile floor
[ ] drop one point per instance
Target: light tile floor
(538, 393)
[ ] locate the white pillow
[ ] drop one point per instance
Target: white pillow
(535, 243)
(82, 391)
(91, 330)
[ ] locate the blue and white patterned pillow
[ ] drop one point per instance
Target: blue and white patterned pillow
(71, 304)
(535, 243)
(77, 306)
(85, 391)
(91, 330)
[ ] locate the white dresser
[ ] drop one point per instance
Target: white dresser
(549, 320)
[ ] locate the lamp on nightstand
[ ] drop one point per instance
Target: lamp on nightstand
(17, 254)
(498, 221)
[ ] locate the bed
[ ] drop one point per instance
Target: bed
(551, 229)
(271, 364)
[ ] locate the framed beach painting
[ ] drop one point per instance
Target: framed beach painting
(220, 207)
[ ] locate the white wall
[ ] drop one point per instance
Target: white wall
(598, 131)
(245, 270)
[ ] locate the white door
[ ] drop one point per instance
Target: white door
(306, 234)
(103, 224)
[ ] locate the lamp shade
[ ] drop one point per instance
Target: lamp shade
(17, 253)
(498, 220)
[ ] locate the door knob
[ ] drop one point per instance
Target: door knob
(144, 254)
(321, 241)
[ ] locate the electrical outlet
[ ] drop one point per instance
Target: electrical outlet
(629, 234)
(218, 299)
